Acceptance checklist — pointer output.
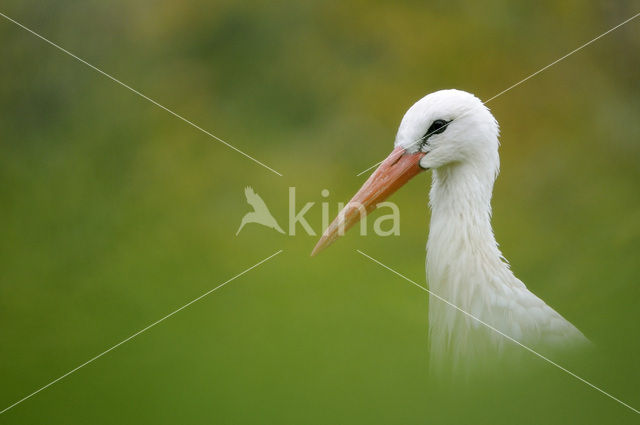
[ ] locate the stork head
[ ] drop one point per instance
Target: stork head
(443, 129)
(449, 126)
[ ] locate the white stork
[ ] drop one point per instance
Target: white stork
(452, 133)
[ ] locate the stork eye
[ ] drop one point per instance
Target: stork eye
(437, 127)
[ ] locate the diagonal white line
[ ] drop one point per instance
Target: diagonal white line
(499, 332)
(364, 171)
(562, 58)
(139, 332)
(140, 94)
(530, 76)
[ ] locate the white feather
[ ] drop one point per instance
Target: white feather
(464, 264)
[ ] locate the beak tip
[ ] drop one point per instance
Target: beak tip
(392, 173)
(319, 247)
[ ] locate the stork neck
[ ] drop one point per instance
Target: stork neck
(460, 201)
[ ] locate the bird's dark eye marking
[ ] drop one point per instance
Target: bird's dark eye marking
(437, 127)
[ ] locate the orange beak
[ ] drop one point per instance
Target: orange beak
(393, 173)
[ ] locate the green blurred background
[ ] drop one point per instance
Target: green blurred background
(114, 213)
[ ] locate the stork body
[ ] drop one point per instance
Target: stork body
(466, 267)
(453, 134)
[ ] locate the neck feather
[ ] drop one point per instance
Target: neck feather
(460, 201)
(464, 264)
(461, 243)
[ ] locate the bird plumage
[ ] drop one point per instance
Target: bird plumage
(452, 133)
(464, 264)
